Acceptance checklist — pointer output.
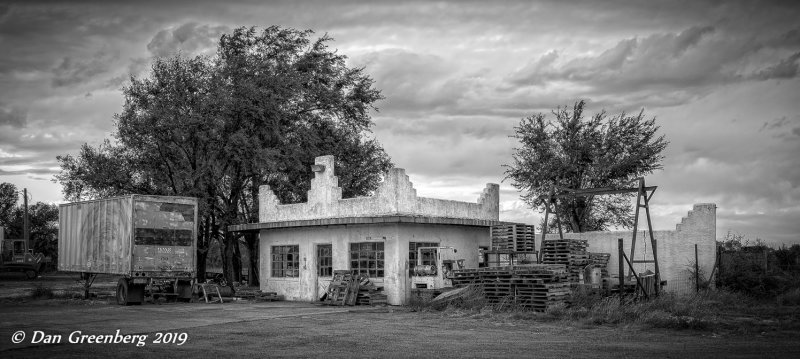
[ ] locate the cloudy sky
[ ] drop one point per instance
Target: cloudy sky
(721, 77)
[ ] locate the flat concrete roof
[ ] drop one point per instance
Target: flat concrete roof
(363, 220)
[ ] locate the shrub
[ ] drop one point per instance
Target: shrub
(790, 298)
(42, 292)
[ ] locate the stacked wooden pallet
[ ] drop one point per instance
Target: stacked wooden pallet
(569, 252)
(513, 237)
(536, 286)
(343, 289)
(348, 289)
(369, 293)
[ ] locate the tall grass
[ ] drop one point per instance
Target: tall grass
(666, 311)
(706, 310)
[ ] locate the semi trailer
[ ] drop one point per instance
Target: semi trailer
(150, 242)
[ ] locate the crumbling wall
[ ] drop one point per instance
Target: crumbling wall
(675, 247)
(395, 196)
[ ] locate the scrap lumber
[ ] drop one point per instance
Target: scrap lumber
(535, 286)
(257, 295)
(600, 260)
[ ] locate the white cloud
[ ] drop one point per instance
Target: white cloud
(190, 39)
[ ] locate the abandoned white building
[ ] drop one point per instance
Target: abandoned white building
(302, 244)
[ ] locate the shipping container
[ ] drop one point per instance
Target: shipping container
(148, 240)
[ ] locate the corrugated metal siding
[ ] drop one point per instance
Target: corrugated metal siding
(95, 236)
(98, 236)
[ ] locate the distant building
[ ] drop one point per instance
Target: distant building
(302, 244)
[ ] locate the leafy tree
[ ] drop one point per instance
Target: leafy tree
(573, 152)
(43, 219)
(217, 128)
(8, 200)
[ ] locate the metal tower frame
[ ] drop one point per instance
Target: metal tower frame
(643, 196)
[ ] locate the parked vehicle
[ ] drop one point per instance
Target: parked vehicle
(436, 275)
(15, 256)
(149, 241)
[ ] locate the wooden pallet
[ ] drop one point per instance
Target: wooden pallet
(348, 289)
(536, 286)
(515, 237)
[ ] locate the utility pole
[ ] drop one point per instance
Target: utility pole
(26, 227)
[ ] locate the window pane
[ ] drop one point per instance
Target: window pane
(285, 261)
(324, 260)
(366, 258)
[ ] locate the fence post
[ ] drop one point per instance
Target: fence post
(719, 266)
(696, 271)
(621, 268)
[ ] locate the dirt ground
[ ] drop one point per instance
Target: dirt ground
(290, 329)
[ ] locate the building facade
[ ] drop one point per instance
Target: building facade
(302, 244)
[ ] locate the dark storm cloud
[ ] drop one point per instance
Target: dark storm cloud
(412, 81)
(37, 32)
(190, 39)
(13, 117)
(785, 69)
(74, 71)
(775, 124)
(662, 69)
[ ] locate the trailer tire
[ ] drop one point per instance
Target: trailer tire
(184, 290)
(122, 292)
(128, 293)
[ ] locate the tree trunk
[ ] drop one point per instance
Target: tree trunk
(227, 258)
(252, 247)
(236, 261)
(201, 264)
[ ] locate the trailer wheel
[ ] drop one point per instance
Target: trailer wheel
(184, 290)
(122, 292)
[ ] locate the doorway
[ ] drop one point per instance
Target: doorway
(324, 269)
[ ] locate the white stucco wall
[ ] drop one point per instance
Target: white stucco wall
(675, 247)
(395, 196)
(395, 236)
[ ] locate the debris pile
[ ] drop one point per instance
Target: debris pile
(600, 260)
(569, 252)
(348, 289)
(257, 295)
(369, 293)
(513, 237)
(535, 286)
